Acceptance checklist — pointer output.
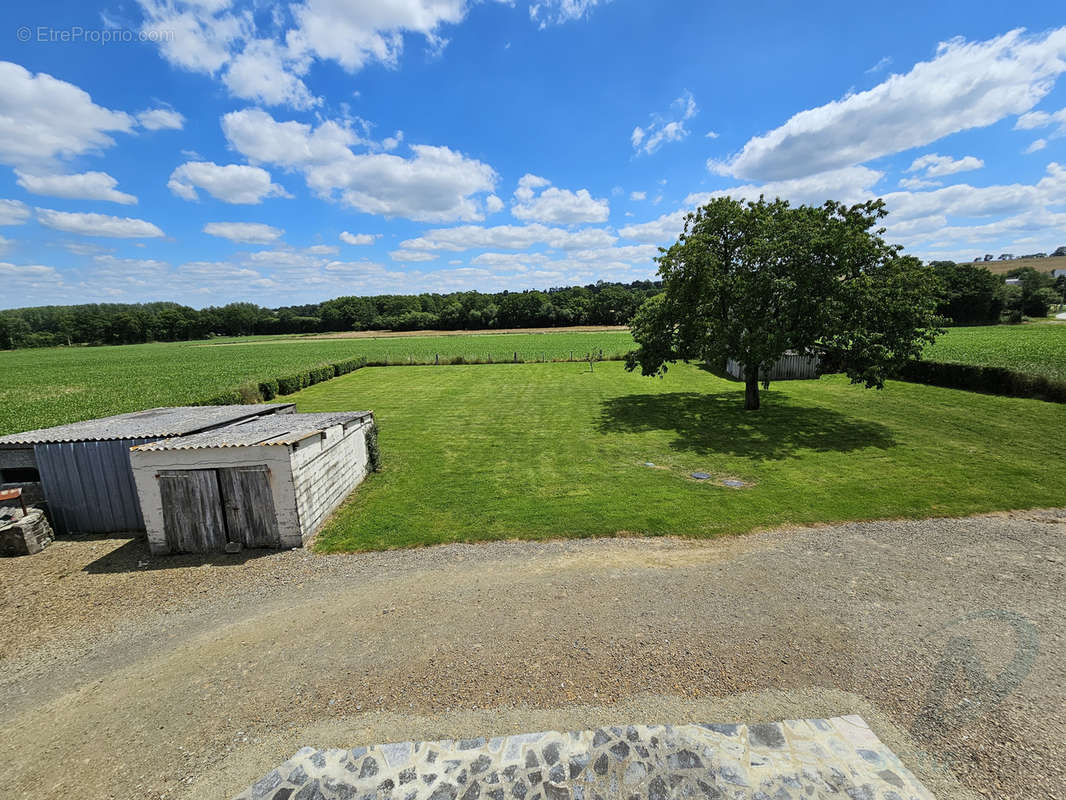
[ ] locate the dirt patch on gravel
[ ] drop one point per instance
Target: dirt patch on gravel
(129, 676)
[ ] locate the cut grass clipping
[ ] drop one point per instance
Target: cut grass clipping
(538, 451)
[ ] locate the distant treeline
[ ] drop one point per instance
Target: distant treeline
(970, 295)
(113, 323)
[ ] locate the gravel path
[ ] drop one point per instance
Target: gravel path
(128, 676)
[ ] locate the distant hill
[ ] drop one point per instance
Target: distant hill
(1040, 264)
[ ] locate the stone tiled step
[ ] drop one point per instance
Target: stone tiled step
(819, 758)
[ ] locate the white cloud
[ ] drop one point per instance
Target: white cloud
(5, 244)
(493, 204)
(557, 12)
(244, 232)
(509, 237)
(936, 166)
(556, 206)
(264, 72)
(43, 119)
(711, 135)
(1035, 147)
(266, 61)
(83, 186)
(230, 183)
(637, 196)
(1041, 119)
(412, 255)
(357, 239)
(665, 128)
(966, 85)
(918, 183)
(437, 184)
(884, 63)
(98, 225)
(159, 119)
(13, 212)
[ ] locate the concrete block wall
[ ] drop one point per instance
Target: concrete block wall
(326, 471)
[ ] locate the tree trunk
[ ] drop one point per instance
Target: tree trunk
(751, 394)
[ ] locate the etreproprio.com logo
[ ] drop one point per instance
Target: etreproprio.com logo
(46, 34)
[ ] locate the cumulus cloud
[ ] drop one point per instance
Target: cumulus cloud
(13, 212)
(556, 206)
(664, 128)
(357, 239)
(83, 186)
(966, 85)
(159, 119)
(44, 119)
(637, 196)
(435, 184)
(231, 183)
(509, 237)
(936, 166)
(244, 232)
(98, 225)
(1035, 147)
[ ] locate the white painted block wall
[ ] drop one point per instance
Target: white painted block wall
(326, 470)
(148, 463)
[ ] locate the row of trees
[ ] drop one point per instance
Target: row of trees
(597, 304)
(971, 295)
(968, 295)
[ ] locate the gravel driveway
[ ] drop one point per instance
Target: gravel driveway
(123, 675)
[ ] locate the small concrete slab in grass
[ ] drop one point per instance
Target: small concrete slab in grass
(839, 757)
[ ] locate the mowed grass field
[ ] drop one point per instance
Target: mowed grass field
(1034, 348)
(553, 450)
(53, 386)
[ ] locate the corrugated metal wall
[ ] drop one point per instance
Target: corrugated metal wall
(788, 368)
(89, 486)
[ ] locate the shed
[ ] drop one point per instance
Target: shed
(789, 367)
(82, 470)
(264, 482)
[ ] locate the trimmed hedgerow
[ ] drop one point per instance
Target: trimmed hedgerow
(291, 384)
(268, 389)
(989, 380)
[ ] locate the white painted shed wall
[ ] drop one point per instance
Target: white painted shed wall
(148, 463)
(325, 471)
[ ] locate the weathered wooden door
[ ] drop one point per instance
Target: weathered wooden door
(192, 511)
(248, 505)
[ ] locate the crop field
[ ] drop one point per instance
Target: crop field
(58, 385)
(538, 451)
(1036, 348)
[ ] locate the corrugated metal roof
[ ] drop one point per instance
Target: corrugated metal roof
(282, 429)
(155, 422)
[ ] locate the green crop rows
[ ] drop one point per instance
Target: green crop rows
(53, 386)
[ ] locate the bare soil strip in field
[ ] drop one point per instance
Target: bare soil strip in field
(130, 676)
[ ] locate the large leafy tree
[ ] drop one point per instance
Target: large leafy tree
(754, 281)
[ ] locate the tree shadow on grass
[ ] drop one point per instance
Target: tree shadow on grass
(718, 423)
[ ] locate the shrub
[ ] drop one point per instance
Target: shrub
(350, 365)
(269, 389)
(990, 380)
(373, 451)
(231, 397)
(319, 374)
(292, 383)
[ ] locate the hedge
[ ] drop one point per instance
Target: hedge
(989, 380)
(267, 390)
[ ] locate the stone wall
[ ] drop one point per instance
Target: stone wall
(23, 534)
(326, 471)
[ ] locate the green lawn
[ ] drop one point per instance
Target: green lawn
(53, 386)
(1035, 348)
(545, 450)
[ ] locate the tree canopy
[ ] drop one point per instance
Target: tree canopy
(754, 281)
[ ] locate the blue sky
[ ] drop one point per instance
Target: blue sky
(214, 150)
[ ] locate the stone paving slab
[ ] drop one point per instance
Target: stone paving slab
(795, 760)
